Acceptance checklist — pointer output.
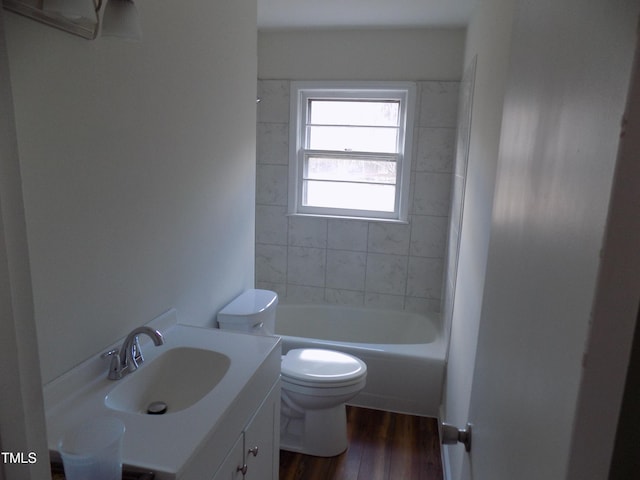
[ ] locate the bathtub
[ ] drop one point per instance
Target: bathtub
(404, 352)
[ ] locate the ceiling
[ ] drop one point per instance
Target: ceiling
(296, 14)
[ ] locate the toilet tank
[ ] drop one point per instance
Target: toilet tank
(254, 311)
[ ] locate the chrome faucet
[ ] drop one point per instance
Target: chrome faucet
(129, 357)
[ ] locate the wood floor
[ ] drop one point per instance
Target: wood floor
(382, 446)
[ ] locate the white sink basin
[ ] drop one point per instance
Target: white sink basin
(178, 378)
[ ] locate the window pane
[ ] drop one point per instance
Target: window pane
(354, 170)
(354, 112)
(358, 139)
(353, 196)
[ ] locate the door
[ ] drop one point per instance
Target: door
(261, 439)
(232, 466)
(560, 291)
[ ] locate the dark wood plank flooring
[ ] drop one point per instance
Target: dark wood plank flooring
(382, 446)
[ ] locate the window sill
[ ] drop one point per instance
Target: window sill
(345, 217)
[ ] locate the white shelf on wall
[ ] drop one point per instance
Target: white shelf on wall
(82, 26)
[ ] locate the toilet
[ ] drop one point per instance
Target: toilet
(316, 383)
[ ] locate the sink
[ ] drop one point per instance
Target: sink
(211, 381)
(177, 379)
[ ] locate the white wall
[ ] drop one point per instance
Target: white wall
(22, 426)
(392, 54)
(138, 164)
(488, 38)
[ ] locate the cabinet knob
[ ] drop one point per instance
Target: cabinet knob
(242, 469)
(253, 451)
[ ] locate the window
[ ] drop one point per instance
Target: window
(351, 149)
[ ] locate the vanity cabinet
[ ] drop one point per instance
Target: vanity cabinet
(256, 453)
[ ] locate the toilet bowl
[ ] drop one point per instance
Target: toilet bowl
(316, 383)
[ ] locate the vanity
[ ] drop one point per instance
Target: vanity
(221, 397)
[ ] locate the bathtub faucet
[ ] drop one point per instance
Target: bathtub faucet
(129, 357)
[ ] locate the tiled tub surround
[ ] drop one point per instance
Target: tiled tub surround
(356, 262)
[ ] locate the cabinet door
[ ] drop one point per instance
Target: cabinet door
(262, 439)
(232, 466)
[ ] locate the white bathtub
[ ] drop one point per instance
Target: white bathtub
(404, 352)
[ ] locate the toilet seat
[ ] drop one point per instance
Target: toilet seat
(317, 368)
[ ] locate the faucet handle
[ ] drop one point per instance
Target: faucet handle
(115, 372)
(110, 353)
(138, 359)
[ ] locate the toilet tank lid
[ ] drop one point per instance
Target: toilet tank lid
(250, 302)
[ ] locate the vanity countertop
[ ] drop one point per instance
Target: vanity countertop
(165, 444)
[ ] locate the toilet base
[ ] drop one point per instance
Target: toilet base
(322, 433)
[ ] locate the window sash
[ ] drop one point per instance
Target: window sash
(315, 114)
(379, 158)
(304, 205)
(353, 137)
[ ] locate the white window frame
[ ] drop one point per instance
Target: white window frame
(301, 93)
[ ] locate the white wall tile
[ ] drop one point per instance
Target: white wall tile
(274, 101)
(386, 273)
(271, 263)
(438, 104)
(344, 297)
(424, 277)
(271, 184)
(307, 232)
(303, 294)
(348, 235)
(435, 148)
(431, 194)
(306, 266)
(345, 269)
(428, 236)
(272, 143)
(412, 191)
(389, 238)
(271, 224)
